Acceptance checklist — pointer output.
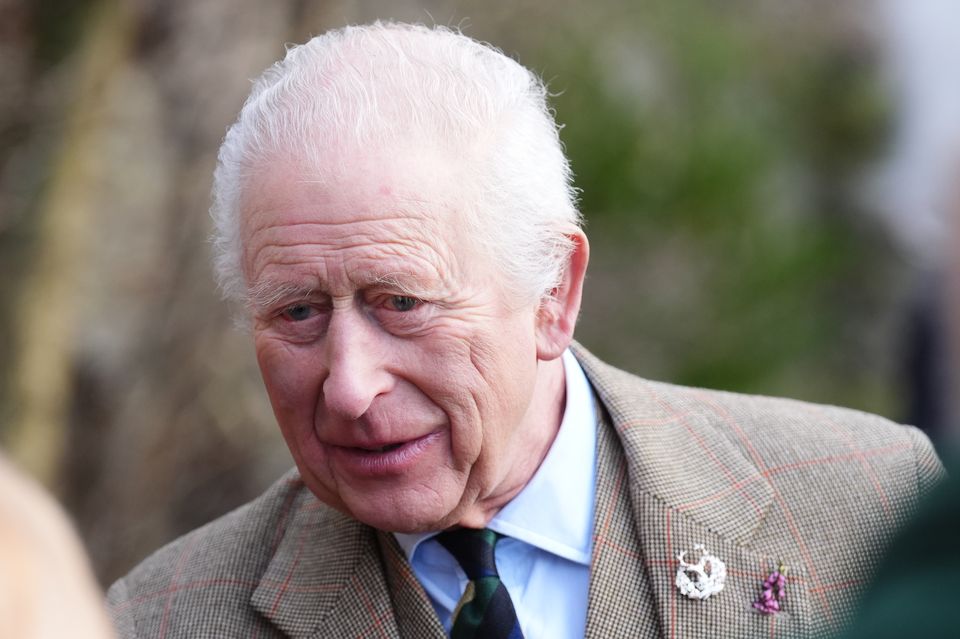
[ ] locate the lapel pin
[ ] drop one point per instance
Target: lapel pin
(703, 578)
(773, 592)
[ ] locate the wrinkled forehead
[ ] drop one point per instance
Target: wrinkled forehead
(346, 182)
(415, 197)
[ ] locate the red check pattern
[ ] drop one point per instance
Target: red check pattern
(757, 480)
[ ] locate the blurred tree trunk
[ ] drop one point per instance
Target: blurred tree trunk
(44, 319)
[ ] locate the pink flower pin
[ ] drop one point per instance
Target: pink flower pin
(773, 593)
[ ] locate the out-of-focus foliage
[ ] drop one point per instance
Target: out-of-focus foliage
(716, 157)
(717, 146)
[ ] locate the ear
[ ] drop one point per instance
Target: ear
(557, 315)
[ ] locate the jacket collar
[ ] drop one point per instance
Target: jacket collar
(678, 455)
(325, 577)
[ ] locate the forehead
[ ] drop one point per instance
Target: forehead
(350, 185)
(404, 202)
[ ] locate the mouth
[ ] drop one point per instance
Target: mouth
(380, 449)
(378, 459)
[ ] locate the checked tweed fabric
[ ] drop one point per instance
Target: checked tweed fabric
(758, 480)
(485, 612)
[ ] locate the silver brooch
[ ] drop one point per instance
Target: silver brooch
(702, 579)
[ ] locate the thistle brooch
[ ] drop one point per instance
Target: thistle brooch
(703, 578)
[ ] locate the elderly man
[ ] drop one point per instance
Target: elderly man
(394, 207)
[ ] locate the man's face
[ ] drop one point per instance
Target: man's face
(399, 371)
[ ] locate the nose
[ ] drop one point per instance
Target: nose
(355, 365)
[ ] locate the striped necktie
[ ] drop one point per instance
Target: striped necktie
(485, 610)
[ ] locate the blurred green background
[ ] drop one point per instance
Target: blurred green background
(721, 150)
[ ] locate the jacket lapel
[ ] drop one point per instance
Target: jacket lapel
(415, 615)
(620, 601)
(680, 481)
(325, 578)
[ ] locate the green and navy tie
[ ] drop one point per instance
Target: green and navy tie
(485, 611)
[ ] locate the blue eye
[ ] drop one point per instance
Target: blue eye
(298, 312)
(403, 303)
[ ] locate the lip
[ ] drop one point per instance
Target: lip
(372, 461)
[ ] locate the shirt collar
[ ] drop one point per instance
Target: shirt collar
(554, 511)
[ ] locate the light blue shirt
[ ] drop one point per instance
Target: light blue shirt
(545, 561)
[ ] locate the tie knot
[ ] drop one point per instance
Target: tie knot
(473, 550)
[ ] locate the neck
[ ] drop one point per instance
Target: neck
(534, 437)
(547, 406)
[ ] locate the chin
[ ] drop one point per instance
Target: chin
(392, 506)
(404, 511)
(395, 518)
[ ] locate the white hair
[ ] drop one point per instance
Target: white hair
(393, 84)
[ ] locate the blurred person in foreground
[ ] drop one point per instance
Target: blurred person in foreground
(47, 590)
(394, 209)
(914, 591)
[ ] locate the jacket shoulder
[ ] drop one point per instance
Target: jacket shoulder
(790, 431)
(778, 434)
(213, 569)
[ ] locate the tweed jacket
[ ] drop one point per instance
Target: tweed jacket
(757, 480)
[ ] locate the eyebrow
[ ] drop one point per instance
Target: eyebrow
(266, 293)
(269, 292)
(404, 283)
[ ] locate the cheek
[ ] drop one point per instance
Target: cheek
(286, 372)
(489, 379)
(506, 361)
